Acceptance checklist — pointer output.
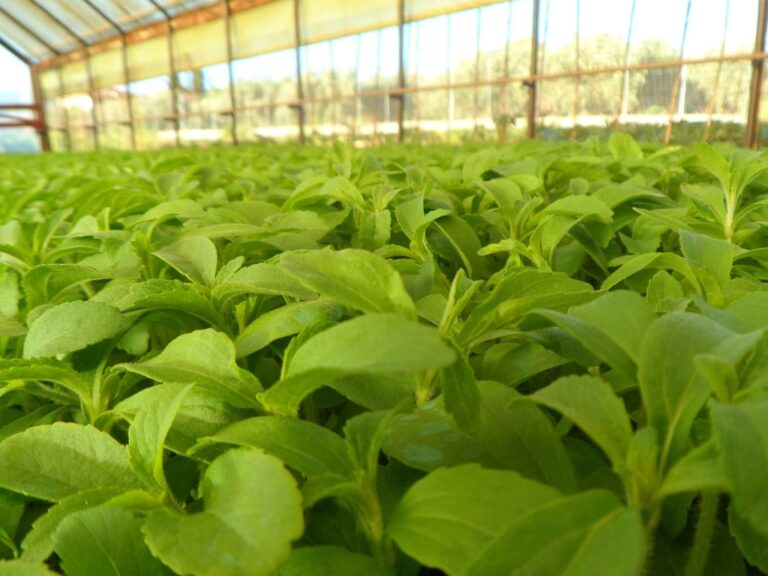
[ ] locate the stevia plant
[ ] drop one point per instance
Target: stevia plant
(533, 359)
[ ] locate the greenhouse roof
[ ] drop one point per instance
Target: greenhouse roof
(37, 29)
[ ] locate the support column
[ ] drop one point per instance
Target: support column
(172, 70)
(533, 82)
(299, 106)
(230, 69)
(756, 83)
(401, 70)
(42, 130)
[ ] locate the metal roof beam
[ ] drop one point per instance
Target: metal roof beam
(80, 40)
(105, 17)
(13, 50)
(28, 31)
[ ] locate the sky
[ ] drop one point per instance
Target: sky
(429, 52)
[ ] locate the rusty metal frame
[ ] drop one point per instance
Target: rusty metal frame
(17, 53)
(230, 70)
(300, 102)
(678, 75)
(756, 82)
(34, 70)
(400, 71)
(84, 45)
(534, 78)
(126, 70)
(400, 92)
(174, 79)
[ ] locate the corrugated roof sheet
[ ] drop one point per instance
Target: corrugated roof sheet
(38, 29)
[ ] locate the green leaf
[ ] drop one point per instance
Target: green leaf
(711, 254)
(520, 437)
(673, 389)
(700, 470)
(104, 541)
(593, 406)
(742, 430)
(753, 544)
(284, 321)
(714, 162)
(194, 257)
(428, 439)
(204, 357)
(378, 345)
(146, 436)
(590, 533)
(354, 278)
(479, 163)
(252, 514)
(54, 461)
(460, 393)
(202, 412)
(23, 568)
(624, 147)
(520, 292)
(327, 560)
(623, 316)
(373, 344)
(47, 370)
(73, 326)
(446, 519)
(304, 446)
(263, 278)
(39, 543)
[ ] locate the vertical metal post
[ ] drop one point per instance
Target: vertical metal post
(45, 141)
(92, 94)
(67, 129)
(401, 70)
(299, 81)
(577, 79)
(174, 83)
(534, 70)
(449, 81)
(716, 84)
(504, 119)
(678, 76)
(624, 110)
(230, 69)
(477, 70)
(756, 83)
(172, 68)
(126, 69)
(128, 94)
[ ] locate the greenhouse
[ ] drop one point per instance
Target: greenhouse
(153, 73)
(383, 288)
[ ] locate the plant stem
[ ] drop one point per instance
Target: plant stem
(705, 528)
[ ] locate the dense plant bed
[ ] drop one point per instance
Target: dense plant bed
(540, 359)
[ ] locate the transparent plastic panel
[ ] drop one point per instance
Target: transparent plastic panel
(151, 98)
(75, 77)
(26, 42)
(204, 91)
(417, 9)
(330, 19)
(112, 104)
(199, 46)
(107, 68)
(267, 28)
(148, 59)
(426, 51)
(40, 23)
(266, 79)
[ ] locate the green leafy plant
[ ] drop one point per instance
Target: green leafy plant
(530, 359)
